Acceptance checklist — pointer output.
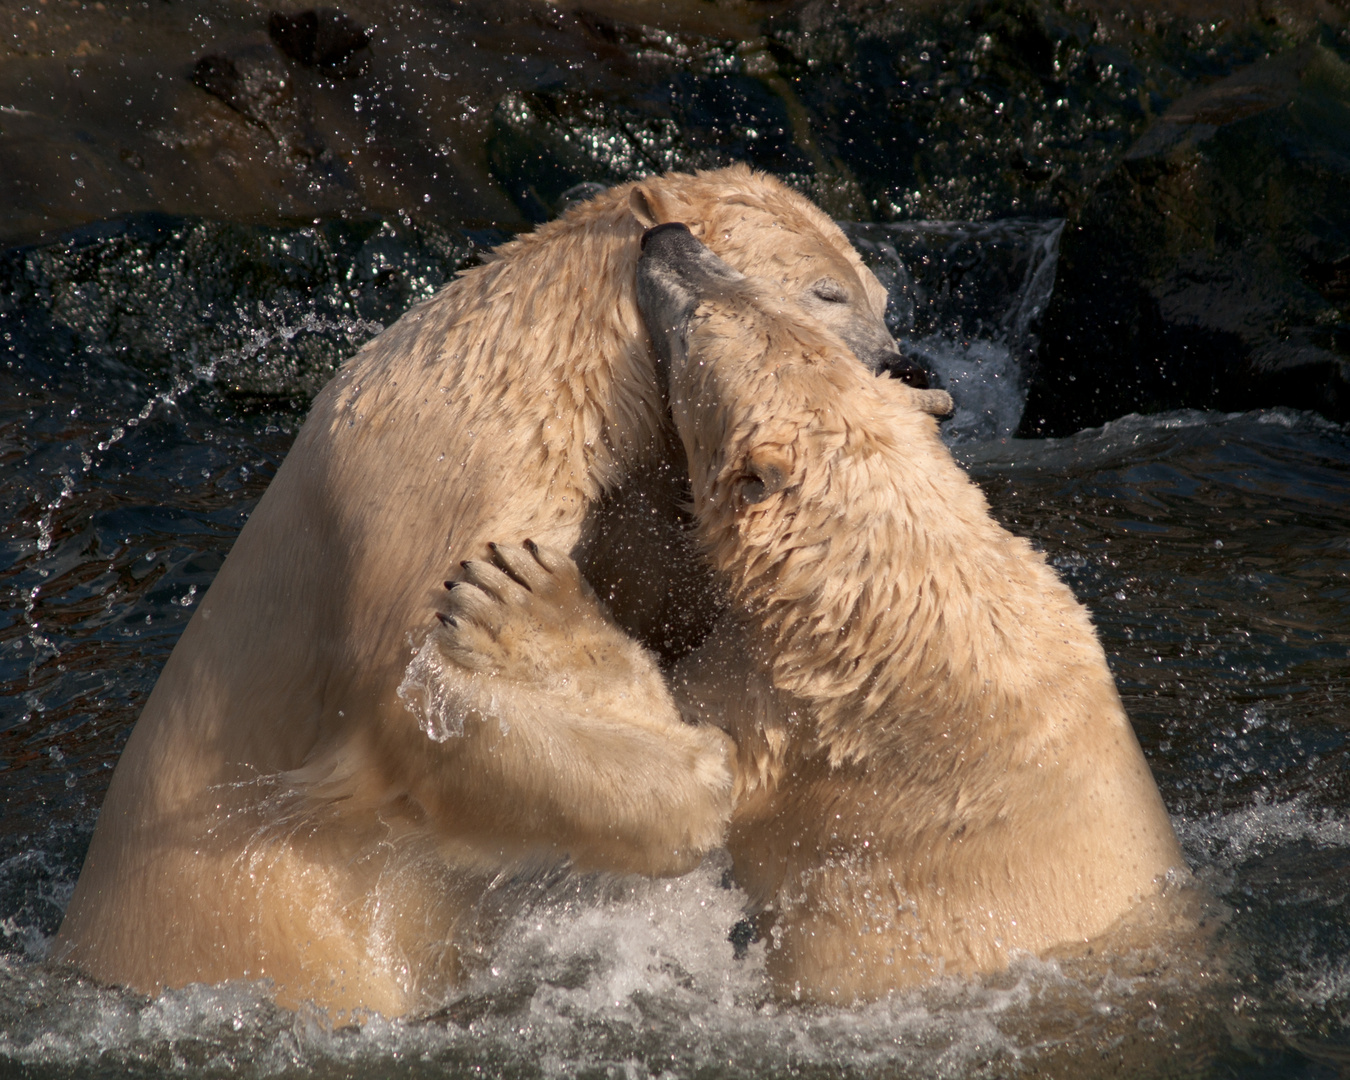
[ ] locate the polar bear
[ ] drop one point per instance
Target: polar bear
(934, 770)
(281, 811)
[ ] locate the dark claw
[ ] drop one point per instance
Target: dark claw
(451, 584)
(447, 620)
(907, 370)
(742, 936)
(532, 547)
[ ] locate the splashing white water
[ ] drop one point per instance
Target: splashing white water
(965, 299)
(633, 978)
(1229, 839)
(984, 381)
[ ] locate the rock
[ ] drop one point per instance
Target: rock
(996, 108)
(322, 38)
(258, 86)
(1188, 286)
(259, 316)
(1212, 269)
(544, 143)
(979, 109)
(100, 116)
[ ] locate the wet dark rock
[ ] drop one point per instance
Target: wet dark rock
(259, 315)
(983, 109)
(488, 113)
(257, 86)
(998, 108)
(987, 109)
(546, 142)
(1212, 269)
(322, 38)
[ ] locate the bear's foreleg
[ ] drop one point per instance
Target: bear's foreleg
(557, 728)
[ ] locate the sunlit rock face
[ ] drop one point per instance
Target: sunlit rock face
(231, 110)
(484, 112)
(1212, 269)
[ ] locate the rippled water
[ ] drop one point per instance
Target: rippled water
(1214, 551)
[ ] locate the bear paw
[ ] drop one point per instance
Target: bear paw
(542, 699)
(526, 615)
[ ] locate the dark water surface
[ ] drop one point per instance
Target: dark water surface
(141, 417)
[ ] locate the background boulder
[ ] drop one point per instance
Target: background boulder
(1196, 148)
(1212, 268)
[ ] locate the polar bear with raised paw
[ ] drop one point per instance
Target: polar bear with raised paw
(281, 811)
(528, 663)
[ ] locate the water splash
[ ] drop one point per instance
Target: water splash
(424, 694)
(966, 299)
(1227, 840)
(160, 315)
(624, 977)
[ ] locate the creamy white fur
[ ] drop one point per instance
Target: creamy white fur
(934, 767)
(280, 811)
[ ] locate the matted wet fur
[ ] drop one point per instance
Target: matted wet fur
(521, 401)
(934, 770)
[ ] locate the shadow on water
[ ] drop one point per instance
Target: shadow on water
(152, 375)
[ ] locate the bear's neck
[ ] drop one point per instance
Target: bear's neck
(916, 629)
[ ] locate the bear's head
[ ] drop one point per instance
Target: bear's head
(828, 281)
(747, 369)
(802, 463)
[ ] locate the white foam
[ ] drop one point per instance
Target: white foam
(1282, 416)
(1319, 987)
(984, 381)
(633, 978)
(636, 977)
(654, 964)
(1226, 840)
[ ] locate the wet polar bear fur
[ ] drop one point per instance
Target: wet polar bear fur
(280, 812)
(934, 768)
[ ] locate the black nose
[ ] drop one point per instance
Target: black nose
(656, 231)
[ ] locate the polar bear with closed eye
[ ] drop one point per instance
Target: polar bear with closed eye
(339, 784)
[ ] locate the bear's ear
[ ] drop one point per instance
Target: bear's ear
(652, 207)
(641, 206)
(766, 471)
